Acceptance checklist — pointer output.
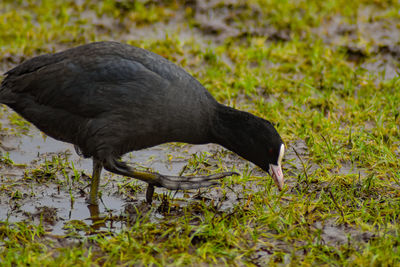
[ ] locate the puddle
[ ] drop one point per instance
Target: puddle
(35, 147)
(62, 210)
(60, 203)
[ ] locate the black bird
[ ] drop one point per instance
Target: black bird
(109, 98)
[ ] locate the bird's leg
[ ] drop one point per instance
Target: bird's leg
(169, 182)
(149, 193)
(94, 186)
(97, 220)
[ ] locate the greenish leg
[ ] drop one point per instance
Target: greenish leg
(94, 186)
(166, 181)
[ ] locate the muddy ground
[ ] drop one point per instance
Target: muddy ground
(59, 203)
(48, 182)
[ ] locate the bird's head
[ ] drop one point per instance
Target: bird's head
(268, 150)
(251, 137)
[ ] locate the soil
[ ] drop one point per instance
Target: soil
(61, 205)
(49, 198)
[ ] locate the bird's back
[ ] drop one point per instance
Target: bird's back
(118, 94)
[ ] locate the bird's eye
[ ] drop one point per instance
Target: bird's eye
(270, 151)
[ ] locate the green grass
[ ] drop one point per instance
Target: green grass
(277, 66)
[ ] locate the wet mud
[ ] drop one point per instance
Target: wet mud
(369, 26)
(48, 183)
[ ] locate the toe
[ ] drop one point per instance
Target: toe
(190, 182)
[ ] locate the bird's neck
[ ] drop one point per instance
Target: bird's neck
(233, 129)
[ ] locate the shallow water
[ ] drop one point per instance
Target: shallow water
(59, 205)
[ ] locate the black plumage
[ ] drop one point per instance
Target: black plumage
(108, 99)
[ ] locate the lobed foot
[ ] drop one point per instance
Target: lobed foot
(184, 182)
(159, 180)
(189, 182)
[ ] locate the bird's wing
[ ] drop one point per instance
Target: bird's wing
(85, 86)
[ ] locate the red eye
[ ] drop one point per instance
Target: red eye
(270, 151)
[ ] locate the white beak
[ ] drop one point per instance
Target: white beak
(276, 172)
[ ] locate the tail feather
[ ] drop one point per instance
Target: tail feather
(7, 96)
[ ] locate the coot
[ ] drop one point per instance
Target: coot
(109, 98)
